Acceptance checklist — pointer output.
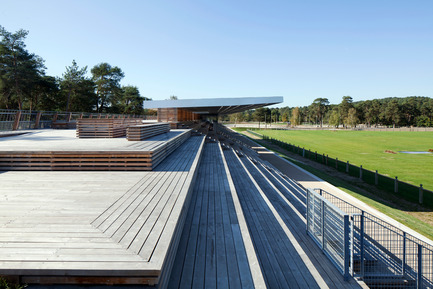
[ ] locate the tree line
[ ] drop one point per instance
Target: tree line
(24, 84)
(397, 112)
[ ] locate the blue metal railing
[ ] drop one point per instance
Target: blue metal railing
(383, 255)
(330, 228)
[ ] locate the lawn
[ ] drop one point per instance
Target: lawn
(367, 148)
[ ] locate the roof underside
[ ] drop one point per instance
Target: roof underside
(215, 106)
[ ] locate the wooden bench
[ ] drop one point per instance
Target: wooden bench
(144, 131)
(138, 156)
(104, 127)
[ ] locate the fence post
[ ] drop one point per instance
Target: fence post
(303, 152)
(419, 273)
(336, 163)
(421, 194)
(326, 159)
(360, 172)
(346, 247)
(376, 178)
(17, 120)
(316, 155)
(396, 185)
(347, 167)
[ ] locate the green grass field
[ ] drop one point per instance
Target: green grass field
(367, 148)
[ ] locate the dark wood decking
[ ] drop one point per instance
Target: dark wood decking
(211, 253)
(288, 257)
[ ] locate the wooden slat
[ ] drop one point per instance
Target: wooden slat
(207, 251)
(139, 157)
(145, 131)
(104, 128)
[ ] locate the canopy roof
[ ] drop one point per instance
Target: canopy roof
(215, 106)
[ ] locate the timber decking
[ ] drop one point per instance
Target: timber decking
(60, 150)
(99, 227)
(104, 127)
(95, 227)
(288, 257)
(211, 251)
(144, 131)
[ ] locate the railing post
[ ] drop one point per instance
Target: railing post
(396, 185)
(303, 152)
(376, 178)
(336, 163)
(352, 244)
(361, 243)
(421, 194)
(347, 167)
(308, 209)
(403, 259)
(346, 247)
(322, 205)
(419, 275)
(360, 172)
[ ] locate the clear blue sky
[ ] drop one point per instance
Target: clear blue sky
(301, 50)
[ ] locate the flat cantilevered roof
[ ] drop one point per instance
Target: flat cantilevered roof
(215, 106)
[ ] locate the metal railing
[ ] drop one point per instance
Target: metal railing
(26, 119)
(330, 228)
(383, 255)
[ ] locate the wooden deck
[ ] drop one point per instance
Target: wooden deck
(60, 150)
(211, 252)
(95, 227)
(275, 216)
(199, 220)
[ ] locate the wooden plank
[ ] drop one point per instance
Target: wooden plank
(139, 158)
(200, 259)
(221, 247)
(190, 258)
(288, 259)
(273, 275)
(210, 264)
(105, 280)
(184, 243)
